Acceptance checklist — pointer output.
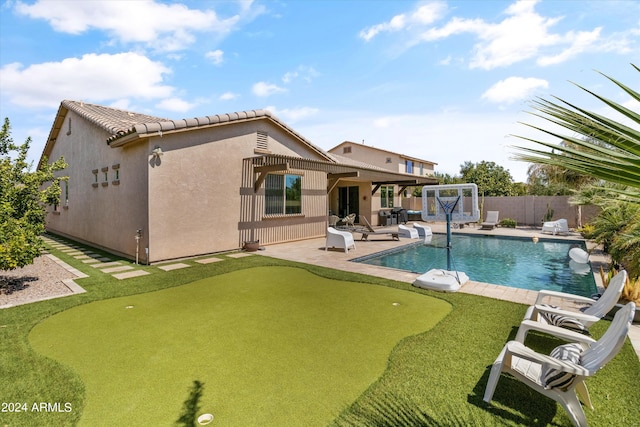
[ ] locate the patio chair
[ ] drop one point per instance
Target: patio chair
(339, 239)
(423, 230)
(539, 315)
(490, 221)
(349, 220)
(405, 231)
(369, 231)
(559, 226)
(333, 220)
(561, 375)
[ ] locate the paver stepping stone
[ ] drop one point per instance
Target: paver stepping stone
(239, 255)
(129, 274)
(90, 261)
(170, 267)
(208, 260)
(115, 269)
(106, 264)
(82, 257)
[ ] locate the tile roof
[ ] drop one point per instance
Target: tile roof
(112, 120)
(121, 123)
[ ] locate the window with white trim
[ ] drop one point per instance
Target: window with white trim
(386, 196)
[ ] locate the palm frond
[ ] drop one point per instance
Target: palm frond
(600, 147)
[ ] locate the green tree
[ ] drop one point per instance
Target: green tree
(491, 179)
(23, 200)
(443, 178)
(554, 180)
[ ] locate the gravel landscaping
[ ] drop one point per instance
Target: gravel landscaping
(41, 280)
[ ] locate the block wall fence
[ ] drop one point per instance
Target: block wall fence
(527, 210)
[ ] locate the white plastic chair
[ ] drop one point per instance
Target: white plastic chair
(538, 315)
(339, 239)
(405, 231)
(558, 226)
(531, 367)
(423, 230)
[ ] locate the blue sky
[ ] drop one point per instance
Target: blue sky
(446, 81)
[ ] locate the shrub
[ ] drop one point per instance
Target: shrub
(631, 290)
(508, 223)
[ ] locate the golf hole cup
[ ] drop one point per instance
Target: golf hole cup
(205, 419)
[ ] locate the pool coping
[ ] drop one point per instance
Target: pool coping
(416, 243)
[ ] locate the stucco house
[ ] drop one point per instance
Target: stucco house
(387, 195)
(162, 189)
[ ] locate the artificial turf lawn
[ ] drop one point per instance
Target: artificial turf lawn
(272, 345)
(435, 378)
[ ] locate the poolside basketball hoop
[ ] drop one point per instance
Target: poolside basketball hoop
(456, 203)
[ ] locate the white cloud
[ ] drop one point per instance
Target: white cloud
(518, 37)
(215, 56)
(166, 27)
(522, 34)
(582, 41)
(91, 78)
(176, 105)
(291, 115)
(228, 96)
(302, 72)
(424, 14)
(514, 89)
(263, 89)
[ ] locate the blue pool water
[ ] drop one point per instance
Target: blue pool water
(508, 261)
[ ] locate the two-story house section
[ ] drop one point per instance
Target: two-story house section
(394, 162)
(386, 196)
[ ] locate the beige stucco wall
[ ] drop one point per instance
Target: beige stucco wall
(381, 158)
(196, 191)
(106, 216)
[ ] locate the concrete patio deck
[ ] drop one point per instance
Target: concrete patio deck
(312, 251)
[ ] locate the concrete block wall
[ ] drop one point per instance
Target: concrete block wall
(527, 210)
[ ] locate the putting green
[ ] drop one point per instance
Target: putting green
(272, 345)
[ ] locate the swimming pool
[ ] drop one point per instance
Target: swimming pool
(508, 261)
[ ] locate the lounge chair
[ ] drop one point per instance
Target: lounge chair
(423, 230)
(339, 239)
(405, 231)
(490, 221)
(559, 226)
(561, 375)
(539, 316)
(369, 231)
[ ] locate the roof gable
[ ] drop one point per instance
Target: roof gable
(337, 150)
(127, 126)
